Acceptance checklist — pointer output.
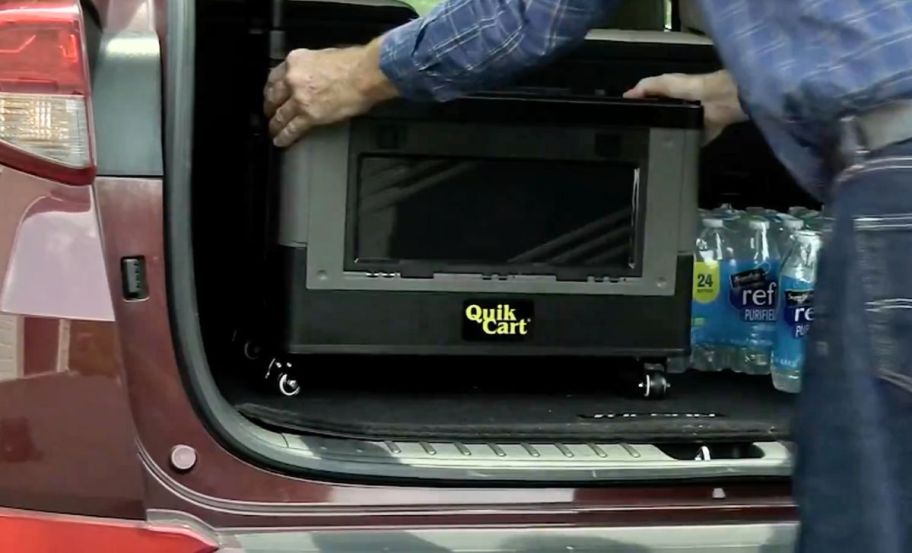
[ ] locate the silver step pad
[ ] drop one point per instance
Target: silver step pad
(542, 461)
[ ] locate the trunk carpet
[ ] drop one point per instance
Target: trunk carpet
(703, 407)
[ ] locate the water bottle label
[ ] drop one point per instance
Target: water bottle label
(797, 300)
(752, 292)
(706, 281)
(707, 313)
(752, 296)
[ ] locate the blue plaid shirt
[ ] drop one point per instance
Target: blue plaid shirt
(800, 64)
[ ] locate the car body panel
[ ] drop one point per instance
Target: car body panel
(91, 409)
(128, 15)
(66, 434)
(65, 423)
(728, 538)
(51, 262)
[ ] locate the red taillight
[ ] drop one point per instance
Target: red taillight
(22, 532)
(45, 120)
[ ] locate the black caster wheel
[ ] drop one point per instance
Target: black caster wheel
(280, 373)
(654, 384)
(252, 350)
(288, 385)
(640, 381)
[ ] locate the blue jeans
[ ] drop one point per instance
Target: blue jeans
(853, 477)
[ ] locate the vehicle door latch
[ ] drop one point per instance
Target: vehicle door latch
(133, 276)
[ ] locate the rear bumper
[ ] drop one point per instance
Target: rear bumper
(730, 538)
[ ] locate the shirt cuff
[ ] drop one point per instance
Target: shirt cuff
(397, 61)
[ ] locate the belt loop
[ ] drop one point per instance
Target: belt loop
(853, 146)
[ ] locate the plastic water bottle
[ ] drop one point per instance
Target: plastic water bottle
(753, 297)
(752, 212)
(796, 311)
(726, 211)
(821, 224)
(784, 233)
(729, 215)
(733, 222)
(701, 215)
(714, 259)
(809, 215)
(772, 216)
(797, 211)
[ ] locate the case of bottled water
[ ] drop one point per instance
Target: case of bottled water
(742, 318)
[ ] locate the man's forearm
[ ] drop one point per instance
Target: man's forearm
(460, 47)
(369, 79)
(463, 46)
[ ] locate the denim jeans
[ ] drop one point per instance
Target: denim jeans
(853, 476)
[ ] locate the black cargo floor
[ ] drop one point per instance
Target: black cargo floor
(710, 407)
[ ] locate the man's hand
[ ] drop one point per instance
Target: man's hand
(716, 91)
(319, 87)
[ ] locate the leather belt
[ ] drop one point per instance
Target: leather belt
(873, 130)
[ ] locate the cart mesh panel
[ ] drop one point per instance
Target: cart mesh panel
(525, 215)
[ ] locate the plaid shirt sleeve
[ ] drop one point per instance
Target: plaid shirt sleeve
(463, 46)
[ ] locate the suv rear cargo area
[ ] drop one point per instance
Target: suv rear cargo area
(512, 402)
(557, 402)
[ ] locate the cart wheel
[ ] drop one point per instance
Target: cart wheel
(252, 350)
(654, 384)
(288, 385)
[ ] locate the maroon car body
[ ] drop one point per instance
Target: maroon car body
(93, 404)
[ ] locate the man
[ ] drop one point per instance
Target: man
(829, 82)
